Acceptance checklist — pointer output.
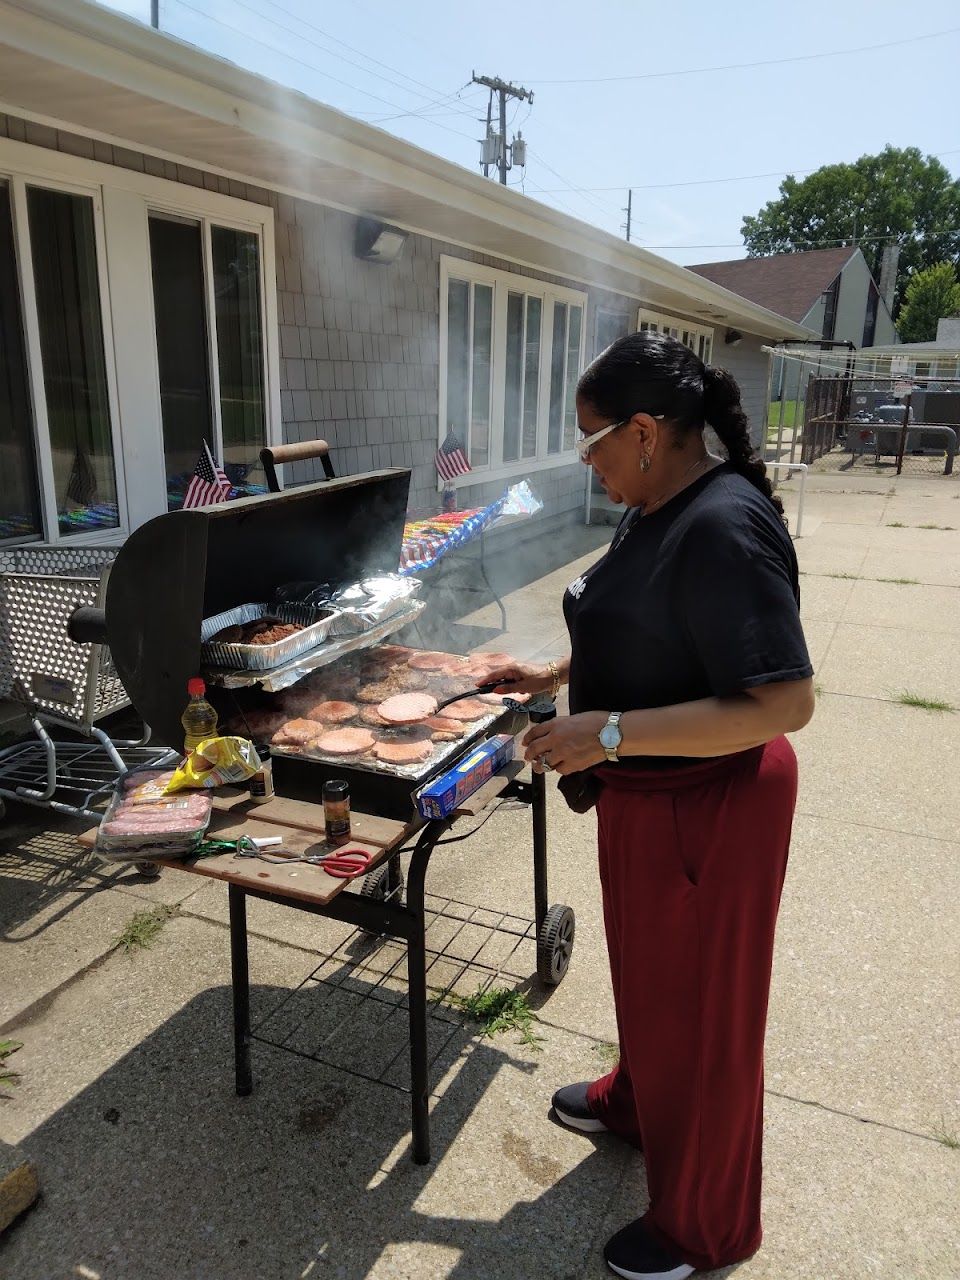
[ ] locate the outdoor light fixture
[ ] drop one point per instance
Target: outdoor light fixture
(733, 337)
(377, 242)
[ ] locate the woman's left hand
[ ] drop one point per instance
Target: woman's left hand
(567, 743)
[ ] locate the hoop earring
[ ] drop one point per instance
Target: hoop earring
(645, 462)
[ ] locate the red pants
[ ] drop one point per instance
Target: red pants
(692, 864)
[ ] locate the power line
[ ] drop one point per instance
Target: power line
(311, 66)
(744, 66)
(744, 177)
(432, 92)
(905, 237)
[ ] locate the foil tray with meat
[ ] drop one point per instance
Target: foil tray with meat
(375, 710)
(258, 637)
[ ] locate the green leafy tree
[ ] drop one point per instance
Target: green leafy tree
(931, 293)
(898, 194)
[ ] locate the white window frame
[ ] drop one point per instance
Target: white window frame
(505, 283)
(677, 327)
(123, 201)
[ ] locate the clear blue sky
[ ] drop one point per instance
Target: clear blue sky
(646, 133)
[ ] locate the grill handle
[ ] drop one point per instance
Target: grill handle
(300, 451)
(87, 625)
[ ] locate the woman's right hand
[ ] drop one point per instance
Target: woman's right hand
(519, 677)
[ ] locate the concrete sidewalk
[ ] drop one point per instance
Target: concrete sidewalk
(150, 1166)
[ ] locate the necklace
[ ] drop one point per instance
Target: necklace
(670, 493)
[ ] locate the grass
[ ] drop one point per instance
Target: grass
(817, 689)
(773, 417)
(945, 528)
(947, 1137)
(909, 699)
(608, 1053)
(839, 575)
(8, 1078)
(902, 582)
(499, 1009)
(144, 928)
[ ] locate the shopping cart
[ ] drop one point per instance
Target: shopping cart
(60, 684)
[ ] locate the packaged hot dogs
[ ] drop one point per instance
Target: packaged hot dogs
(142, 820)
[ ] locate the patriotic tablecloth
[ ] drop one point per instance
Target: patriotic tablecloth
(430, 538)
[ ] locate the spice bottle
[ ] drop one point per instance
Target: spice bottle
(261, 784)
(336, 809)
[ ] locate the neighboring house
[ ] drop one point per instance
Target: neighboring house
(189, 251)
(828, 290)
(939, 358)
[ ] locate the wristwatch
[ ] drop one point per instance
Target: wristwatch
(610, 736)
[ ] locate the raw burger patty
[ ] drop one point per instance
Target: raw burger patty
(427, 660)
(403, 752)
(407, 708)
(369, 715)
(331, 712)
(444, 728)
(297, 732)
(344, 742)
(466, 709)
(481, 663)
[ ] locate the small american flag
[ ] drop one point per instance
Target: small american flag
(208, 483)
(451, 460)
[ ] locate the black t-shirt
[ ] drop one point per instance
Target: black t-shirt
(698, 599)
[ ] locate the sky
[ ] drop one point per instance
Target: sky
(627, 93)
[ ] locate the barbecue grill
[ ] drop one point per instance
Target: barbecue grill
(187, 566)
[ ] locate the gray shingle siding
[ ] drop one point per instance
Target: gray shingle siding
(359, 342)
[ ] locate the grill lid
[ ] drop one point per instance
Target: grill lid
(184, 566)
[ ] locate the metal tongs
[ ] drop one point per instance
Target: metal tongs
(472, 693)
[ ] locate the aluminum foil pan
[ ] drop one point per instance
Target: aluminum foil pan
(262, 657)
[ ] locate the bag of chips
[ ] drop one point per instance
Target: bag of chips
(216, 762)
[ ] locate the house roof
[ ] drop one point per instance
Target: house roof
(787, 283)
(79, 66)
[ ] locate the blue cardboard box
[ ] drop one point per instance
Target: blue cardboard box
(440, 797)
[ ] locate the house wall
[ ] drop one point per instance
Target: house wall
(359, 342)
(749, 366)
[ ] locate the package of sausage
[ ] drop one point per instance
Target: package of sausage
(141, 820)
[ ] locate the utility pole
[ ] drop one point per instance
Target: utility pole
(629, 210)
(504, 90)
(155, 14)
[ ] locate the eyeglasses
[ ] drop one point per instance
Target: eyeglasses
(585, 442)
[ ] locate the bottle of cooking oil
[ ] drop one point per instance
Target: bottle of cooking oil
(200, 719)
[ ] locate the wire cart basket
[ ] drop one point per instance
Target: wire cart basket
(61, 684)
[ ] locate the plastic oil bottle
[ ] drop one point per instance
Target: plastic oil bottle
(199, 720)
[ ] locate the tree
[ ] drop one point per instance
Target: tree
(931, 293)
(898, 194)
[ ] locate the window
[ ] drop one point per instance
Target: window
(830, 298)
(232, 419)
(870, 319)
(20, 491)
(513, 350)
(696, 337)
(134, 324)
(522, 390)
(67, 292)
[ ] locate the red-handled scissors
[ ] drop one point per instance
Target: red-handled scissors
(345, 864)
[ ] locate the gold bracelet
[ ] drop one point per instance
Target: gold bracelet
(555, 675)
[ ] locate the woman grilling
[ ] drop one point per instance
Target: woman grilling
(687, 667)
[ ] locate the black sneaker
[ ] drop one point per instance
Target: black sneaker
(571, 1108)
(635, 1254)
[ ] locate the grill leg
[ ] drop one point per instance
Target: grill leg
(417, 984)
(240, 974)
(538, 809)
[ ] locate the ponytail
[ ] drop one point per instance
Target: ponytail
(723, 411)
